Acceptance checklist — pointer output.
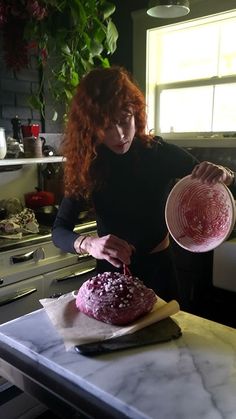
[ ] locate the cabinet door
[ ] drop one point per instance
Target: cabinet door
(20, 298)
(68, 279)
(224, 266)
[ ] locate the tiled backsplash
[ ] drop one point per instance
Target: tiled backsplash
(15, 90)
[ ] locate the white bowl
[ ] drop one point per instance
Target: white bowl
(200, 216)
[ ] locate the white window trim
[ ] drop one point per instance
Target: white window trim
(153, 93)
(213, 81)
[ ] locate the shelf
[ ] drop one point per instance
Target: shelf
(17, 162)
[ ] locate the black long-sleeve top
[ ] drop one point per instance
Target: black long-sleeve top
(131, 203)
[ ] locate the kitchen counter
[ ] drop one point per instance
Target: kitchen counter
(44, 235)
(193, 376)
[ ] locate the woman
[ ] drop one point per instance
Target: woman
(127, 175)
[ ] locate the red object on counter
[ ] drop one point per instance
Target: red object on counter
(39, 199)
(31, 130)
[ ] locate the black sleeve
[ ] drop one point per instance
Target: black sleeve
(176, 161)
(181, 163)
(63, 235)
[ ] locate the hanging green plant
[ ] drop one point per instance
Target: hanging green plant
(70, 37)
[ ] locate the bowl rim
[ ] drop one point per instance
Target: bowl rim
(233, 212)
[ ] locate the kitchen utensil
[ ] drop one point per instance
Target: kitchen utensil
(33, 146)
(15, 148)
(199, 216)
(46, 215)
(126, 270)
(161, 331)
(48, 150)
(3, 145)
(30, 130)
(3, 213)
(16, 128)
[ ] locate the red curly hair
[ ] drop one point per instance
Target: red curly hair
(100, 95)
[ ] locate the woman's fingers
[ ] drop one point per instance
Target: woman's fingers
(115, 262)
(119, 255)
(117, 243)
(117, 249)
(209, 172)
(111, 248)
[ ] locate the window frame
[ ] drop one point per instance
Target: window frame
(153, 90)
(213, 81)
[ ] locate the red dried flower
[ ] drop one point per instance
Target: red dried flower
(35, 10)
(44, 55)
(14, 16)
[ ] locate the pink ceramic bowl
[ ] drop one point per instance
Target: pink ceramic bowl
(200, 216)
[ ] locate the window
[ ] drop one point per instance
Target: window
(191, 76)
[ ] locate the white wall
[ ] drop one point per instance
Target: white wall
(14, 184)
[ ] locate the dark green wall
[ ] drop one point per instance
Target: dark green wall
(123, 20)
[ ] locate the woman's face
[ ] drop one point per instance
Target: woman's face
(120, 133)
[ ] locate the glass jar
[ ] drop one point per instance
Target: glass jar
(3, 144)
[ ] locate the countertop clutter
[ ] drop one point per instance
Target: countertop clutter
(193, 376)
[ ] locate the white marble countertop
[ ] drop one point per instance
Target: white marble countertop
(191, 377)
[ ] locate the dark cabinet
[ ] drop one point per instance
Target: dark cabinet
(194, 272)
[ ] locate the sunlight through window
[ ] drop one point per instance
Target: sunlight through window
(191, 76)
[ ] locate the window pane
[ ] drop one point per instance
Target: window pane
(227, 49)
(225, 108)
(198, 49)
(188, 54)
(185, 110)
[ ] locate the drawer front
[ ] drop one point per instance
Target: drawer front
(20, 298)
(26, 263)
(68, 279)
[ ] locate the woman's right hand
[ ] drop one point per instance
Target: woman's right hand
(212, 173)
(111, 248)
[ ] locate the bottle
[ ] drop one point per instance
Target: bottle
(3, 144)
(16, 127)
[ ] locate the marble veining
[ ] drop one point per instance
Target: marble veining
(190, 377)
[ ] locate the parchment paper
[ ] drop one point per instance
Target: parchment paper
(77, 328)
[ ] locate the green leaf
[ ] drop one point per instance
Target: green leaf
(109, 10)
(63, 69)
(60, 5)
(105, 62)
(87, 40)
(78, 13)
(65, 49)
(35, 102)
(86, 65)
(76, 35)
(61, 77)
(90, 60)
(100, 34)
(68, 94)
(74, 78)
(111, 37)
(55, 116)
(96, 48)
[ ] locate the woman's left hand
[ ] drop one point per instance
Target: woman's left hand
(212, 173)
